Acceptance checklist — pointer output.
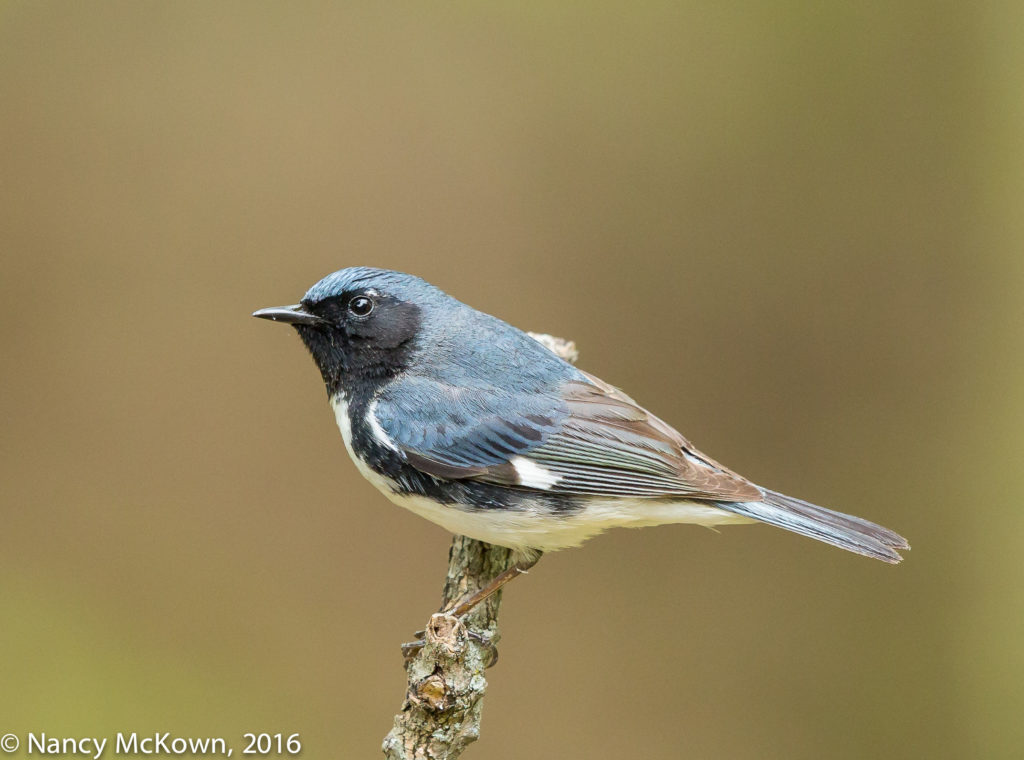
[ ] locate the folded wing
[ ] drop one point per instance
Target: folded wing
(585, 438)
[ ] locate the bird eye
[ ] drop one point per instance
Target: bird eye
(360, 306)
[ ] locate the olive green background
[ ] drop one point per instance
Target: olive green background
(794, 230)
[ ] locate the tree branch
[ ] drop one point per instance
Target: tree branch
(440, 716)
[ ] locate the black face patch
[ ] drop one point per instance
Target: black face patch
(390, 324)
(361, 350)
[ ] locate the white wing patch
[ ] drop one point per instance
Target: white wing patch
(532, 475)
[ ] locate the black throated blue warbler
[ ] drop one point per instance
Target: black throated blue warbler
(478, 427)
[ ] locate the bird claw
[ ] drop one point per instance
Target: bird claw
(459, 608)
(490, 649)
(412, 648)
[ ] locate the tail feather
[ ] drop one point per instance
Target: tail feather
(845, 531)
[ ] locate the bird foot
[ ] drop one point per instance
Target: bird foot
(455, 611)
(411, 649)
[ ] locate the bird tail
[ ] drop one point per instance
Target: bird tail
(845, 531)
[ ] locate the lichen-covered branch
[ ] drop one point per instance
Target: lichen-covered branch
(440, 716)
(441, 713)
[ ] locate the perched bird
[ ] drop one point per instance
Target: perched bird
(476, 426)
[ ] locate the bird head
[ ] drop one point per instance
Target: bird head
(360, 323)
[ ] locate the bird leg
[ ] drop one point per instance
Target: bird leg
(468, 602)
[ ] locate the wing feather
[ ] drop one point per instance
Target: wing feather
(592, 437)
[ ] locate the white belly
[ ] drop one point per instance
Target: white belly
(535, 529)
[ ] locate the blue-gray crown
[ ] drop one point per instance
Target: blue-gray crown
(399, 284)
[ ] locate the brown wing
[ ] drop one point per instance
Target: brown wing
(611, 445)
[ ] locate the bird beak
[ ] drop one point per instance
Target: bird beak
(293, 315)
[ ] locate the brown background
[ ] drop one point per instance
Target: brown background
(791, 229)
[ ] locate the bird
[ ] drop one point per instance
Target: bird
(475, 425)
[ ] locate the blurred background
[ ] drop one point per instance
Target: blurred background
(791, 229)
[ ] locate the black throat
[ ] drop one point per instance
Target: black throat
(353, 370)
